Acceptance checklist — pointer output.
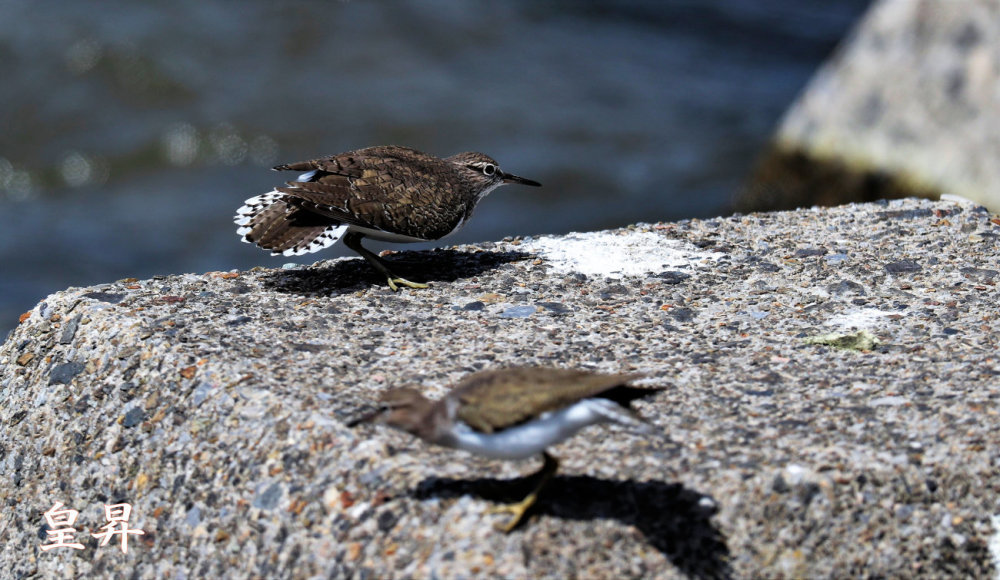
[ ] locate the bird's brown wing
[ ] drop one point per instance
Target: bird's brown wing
(354, 163)
(496, 399)
(383, 188)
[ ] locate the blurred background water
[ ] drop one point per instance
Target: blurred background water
(131, 131)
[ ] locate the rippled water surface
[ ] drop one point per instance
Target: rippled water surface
(131, 131)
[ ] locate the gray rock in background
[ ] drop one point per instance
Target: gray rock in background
(216, 404)
(910, 105)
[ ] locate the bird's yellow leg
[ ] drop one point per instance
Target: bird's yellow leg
(353, 241)
(520, 509)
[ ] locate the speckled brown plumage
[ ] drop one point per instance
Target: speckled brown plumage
(389, 193)
(494, 400)
(394, 189)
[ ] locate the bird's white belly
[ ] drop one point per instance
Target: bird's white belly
(384, 236)
(529, 438)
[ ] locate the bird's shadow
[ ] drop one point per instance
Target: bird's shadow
(675, 520)
(344, 276)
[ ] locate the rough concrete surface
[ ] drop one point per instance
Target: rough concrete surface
(908, 103)
(215, 405)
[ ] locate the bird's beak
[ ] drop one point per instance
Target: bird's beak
(368, 417)
(511, 178)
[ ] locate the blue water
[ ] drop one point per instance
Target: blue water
(132, 131)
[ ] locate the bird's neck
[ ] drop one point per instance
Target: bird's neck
(487, 191)
(434, 422)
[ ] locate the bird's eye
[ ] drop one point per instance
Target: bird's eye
(489, 169)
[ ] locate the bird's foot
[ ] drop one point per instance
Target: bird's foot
(404, 282)
(519, 511)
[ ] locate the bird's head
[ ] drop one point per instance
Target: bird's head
(401, 408)
(482, 169)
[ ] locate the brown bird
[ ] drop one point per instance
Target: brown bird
(388, 193)
(514, 414)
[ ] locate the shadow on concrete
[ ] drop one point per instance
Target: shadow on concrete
(675, 520)
(438, 265)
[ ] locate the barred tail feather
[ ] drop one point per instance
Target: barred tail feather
(253, 206)
(615, 413)
(310, 242)
(270, 222)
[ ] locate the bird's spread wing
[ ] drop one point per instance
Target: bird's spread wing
(493, 400)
